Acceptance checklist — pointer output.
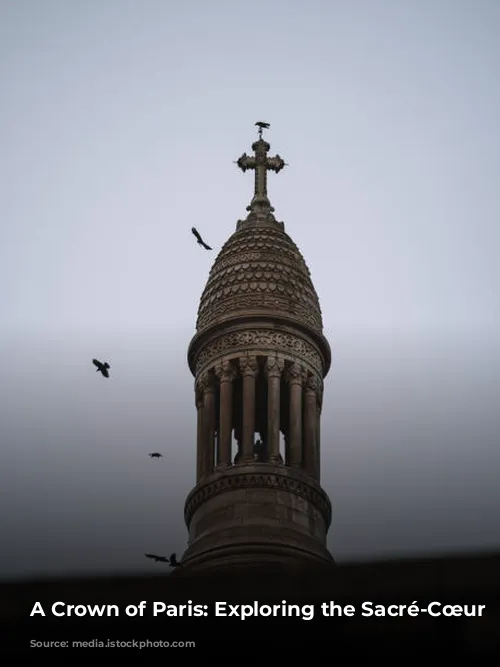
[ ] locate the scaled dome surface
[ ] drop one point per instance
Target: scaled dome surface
(259, 272)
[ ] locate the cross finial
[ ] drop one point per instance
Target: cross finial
(260, 207)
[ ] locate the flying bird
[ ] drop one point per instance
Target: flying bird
(172, 561)
(262, 125)
(200, 240)
(155, 455)
(102, 367)
(157, 559)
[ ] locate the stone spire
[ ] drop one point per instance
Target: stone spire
(259, 358)
(260, 209)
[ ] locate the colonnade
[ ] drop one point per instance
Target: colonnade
(217, 404)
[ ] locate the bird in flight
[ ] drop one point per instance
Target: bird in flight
(157, 559)
(200, 240)
(262, 125)
(156, 455)
(102, 367)
(172, 561)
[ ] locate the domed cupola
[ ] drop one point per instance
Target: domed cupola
(260, 274)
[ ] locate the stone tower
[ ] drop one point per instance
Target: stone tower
(259, 358)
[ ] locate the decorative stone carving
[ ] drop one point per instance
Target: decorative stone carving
(295, 374)
(315, 495)
(263, 261)
(226, 371)
(207, 381)
(248, 366)
(260, 207)
(312, 383)
(227, 309)
(274, 366)
(260, 268)
(265, 339)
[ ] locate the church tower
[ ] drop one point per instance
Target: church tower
(259, 358)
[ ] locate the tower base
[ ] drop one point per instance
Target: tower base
(256, 516)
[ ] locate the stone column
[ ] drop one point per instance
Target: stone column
(274, 369)
(319, 404)
(208, 421)
(309, 453)
(200, 472)
(225, 373)
(295, 380)
(248, 368)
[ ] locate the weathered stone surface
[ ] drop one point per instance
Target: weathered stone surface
(260, 476)
(261, 341)
(259, 271)
(281, 512)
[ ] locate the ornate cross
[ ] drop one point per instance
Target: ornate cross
(261, 163)
(261, 211)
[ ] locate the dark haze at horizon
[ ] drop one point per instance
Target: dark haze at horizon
(407, 474)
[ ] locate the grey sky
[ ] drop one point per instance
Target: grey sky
(120, 120)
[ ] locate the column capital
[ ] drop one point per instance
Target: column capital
(295, 374)
(274, 367)
(249, 366)
(312, 383)
(225, 371)
(207, 381)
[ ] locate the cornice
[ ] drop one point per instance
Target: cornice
(252, 479)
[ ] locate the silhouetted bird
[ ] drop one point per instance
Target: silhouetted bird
(155, 455)
(262, 125)
(200, 240)
(157, 559)
(102, 367)
(172, 561)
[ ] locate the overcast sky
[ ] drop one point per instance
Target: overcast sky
(120, 121)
